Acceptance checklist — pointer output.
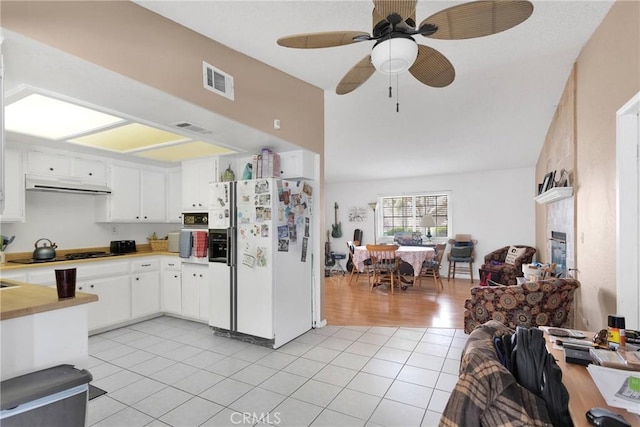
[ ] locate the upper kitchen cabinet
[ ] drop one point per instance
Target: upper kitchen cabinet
(14, 187)
(65, 166)
(196, 176)
(138, 195)
(48, 164)
(299, 164)
(174, 196)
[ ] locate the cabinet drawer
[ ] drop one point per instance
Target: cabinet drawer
(43, 276)
(98, 269)
(173, 263)
(143, 265)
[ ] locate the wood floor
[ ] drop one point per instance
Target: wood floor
(423, 306)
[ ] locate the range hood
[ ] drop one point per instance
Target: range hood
(62, 185)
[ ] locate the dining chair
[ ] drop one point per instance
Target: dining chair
(384, 265)
(351, 244)
(462, 251)
(432, 268)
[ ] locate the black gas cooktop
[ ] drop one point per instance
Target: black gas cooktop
(67, 257)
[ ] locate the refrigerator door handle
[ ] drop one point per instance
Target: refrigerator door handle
(231, 247)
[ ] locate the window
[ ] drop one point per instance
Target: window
(403, 214)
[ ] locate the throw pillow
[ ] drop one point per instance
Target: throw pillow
(514, 253)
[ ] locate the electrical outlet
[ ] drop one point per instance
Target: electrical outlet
(114, 229)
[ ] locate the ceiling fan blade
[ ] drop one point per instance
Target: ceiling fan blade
(359, 74)
(432, 68)
(404, 8)
(318, 40)
(478, 18)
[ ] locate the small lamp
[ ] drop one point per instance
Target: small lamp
(374, 205)
(428, 221)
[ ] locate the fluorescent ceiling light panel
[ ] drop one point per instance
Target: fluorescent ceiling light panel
(128, 137)
(50, 118)
(179, 152)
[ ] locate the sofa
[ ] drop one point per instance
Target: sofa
(542, 303)
(486, 393)
(495, 264)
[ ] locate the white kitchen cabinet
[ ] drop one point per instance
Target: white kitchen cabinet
(298, 164)
(174, 196)
(50, 164)
(196, 176)
(195, 291)
(110, 280)
(145, 287)
(89, 170)
(114, 300)
(65, 166)
(19, 275)
(171, 285)
(139, 195)
(13, 187)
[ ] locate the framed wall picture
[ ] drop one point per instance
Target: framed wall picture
(547, 183)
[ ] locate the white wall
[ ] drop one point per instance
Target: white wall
(496, 208)
(68, 220)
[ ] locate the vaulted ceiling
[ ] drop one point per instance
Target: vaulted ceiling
(494, 115)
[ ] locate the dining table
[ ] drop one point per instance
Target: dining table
(413, 255)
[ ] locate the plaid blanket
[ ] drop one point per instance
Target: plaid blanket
(487, 394)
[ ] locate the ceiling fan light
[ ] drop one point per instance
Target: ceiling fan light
(395, 55)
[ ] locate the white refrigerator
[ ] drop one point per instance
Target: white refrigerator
(268, 289)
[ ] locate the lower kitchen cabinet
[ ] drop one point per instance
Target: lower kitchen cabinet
(171, 286)
(145, 287)
(114, 300)
(195, 291)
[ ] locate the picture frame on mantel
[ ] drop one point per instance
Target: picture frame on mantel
(547, 183)
(564, 178)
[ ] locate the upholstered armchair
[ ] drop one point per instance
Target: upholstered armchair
(541, 303)
(506, 263)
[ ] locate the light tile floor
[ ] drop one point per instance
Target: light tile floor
(173, 372)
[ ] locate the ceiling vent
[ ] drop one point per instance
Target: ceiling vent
(192, 128)
(217, 81)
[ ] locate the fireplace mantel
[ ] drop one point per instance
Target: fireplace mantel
(553, 194)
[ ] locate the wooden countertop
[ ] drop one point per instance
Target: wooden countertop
(143, 250)
(26, 299)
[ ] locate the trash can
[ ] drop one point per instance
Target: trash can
(52, 397)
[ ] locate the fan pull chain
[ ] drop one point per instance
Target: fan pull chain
(397, 94)
(390, 96)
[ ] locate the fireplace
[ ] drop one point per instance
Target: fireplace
(559, 252)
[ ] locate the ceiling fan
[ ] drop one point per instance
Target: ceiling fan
(395, 50)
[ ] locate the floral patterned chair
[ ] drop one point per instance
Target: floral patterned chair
(507, 263)
(542, 303)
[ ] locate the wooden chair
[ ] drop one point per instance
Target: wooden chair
(462, 251)
(432, 268)
(351, 244)
(384, 265)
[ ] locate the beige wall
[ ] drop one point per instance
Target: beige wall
(607, 75)
(135, 42)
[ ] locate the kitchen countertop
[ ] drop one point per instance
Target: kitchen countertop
(26, 299)
(143, 250)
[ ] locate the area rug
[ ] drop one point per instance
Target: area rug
(95, 392)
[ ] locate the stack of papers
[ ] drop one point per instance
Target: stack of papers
(617, 387)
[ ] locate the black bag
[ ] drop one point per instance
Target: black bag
(525, 355)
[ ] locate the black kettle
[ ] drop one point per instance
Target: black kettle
(44, 252)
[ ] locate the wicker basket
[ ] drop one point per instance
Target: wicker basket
(159, 245)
